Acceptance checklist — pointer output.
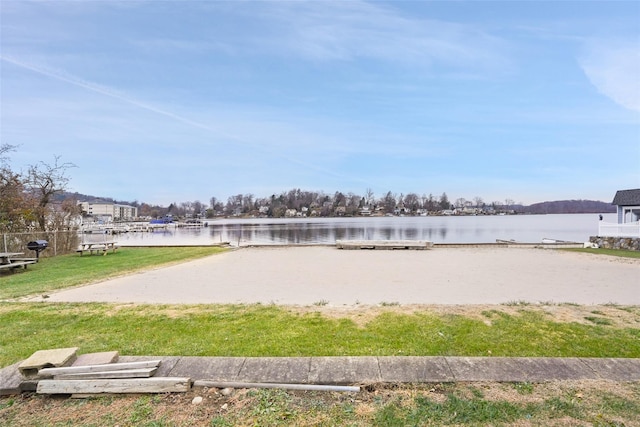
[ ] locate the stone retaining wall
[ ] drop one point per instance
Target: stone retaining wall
(628, 243)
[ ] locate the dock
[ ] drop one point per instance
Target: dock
(545, 244)
(384, 244)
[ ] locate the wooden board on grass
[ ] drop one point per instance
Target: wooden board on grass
(129, 373)
(47, 372)
(129, 385)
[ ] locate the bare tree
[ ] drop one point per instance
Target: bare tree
(389, 202)
(353, 203)
(431, 203)
(444, 202)
(198, 208)
(4, 149)
(64, 215)
(508, 203)
(185, 208)
(412, 202)
(43, 182)
(14, 207)
(234, 205)
(461, 202)
(247, 203)
(369, 197)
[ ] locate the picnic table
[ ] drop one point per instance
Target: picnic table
(12, 260)
(97, 247)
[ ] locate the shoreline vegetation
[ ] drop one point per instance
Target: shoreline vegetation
(302, 203)
(517, 328)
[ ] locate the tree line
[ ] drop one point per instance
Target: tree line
(37, 199)
(297, 202)
(27, 198)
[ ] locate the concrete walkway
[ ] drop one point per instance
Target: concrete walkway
(209, 371)
(395, 369)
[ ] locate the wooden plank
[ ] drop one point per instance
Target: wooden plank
(130, 385)
(20, 264)
(100, 358)
(129, 373)
(99, 368)
(383, 244)
(17, 264)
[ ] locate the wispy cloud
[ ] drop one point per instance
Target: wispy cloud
(613, 68)
(351, 30)
(76, 81)
(252, 140)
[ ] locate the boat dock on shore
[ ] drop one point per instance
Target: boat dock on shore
(384, 244)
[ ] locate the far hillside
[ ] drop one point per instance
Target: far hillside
(296, 199)
(570, 206)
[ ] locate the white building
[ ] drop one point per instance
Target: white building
(109, 211)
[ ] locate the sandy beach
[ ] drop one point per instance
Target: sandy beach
(332, 277)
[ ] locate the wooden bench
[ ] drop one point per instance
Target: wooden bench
(97, 248)
(17, 264)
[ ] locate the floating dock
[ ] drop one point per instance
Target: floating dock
(546, 244)
(384, 244)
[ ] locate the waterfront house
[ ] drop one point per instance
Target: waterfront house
(365, 211)
(628, 203)
(628, 223)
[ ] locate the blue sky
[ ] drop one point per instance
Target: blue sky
(172, 101)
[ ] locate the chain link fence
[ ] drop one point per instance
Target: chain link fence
(60, 242)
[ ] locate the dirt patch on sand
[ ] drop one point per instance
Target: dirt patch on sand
(611, 315)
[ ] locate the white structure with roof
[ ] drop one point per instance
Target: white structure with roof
(628, 225)
(109, 211)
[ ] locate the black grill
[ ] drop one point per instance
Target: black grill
(38, 246)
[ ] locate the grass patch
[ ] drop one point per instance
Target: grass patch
(599, 320)
(557, 404)
(462, 406)
(72, 270)
(454, 410)
(269, 330)
(523, 387)
(610, 252)
(519, 303)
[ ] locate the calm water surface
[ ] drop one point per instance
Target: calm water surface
(464, 229)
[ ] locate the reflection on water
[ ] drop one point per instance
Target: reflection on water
(470, 229)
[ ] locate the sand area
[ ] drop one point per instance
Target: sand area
(331, 277)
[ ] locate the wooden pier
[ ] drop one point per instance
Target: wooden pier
(384, 244)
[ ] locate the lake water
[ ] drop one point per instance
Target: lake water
(438, 229)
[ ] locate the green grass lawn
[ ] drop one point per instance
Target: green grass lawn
(270, 330)
(609, 252)
(71, 270)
